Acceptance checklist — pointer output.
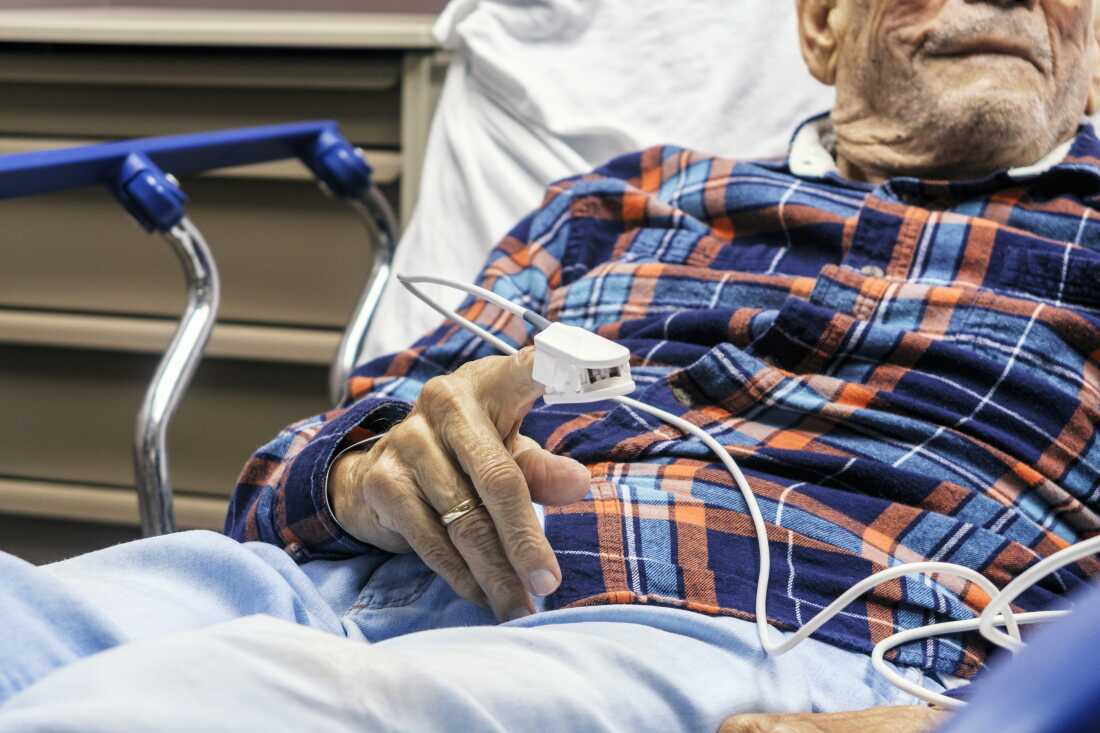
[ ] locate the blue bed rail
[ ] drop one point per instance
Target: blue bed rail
(319, 145)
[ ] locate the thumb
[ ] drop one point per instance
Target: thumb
(553, 480)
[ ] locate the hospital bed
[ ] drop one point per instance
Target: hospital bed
(508, 123)
(1031, 694)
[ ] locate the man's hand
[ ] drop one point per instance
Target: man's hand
(916, 719)
(461, 442)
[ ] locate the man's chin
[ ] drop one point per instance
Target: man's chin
(1004, 84)
(999, 89)
(995, 128)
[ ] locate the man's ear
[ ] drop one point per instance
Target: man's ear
(817, 32)
(1094, 89)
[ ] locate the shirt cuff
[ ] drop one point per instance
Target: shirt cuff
(309, 522)
(362, 445)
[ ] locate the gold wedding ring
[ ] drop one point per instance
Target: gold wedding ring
(460, 510)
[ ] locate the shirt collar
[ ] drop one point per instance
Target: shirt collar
(813, 149)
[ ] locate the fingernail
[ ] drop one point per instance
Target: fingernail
(580, 471)
(517, 613)
(543, 582)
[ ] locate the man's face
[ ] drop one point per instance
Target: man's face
(990, 83)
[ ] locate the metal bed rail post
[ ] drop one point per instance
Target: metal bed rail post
(173, 376)
(154, 198)
(381, 224)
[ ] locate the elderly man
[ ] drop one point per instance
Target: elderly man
(894, 331)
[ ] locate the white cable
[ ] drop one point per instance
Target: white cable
(454, 317)
(1023, 582)
(997, 612)
(497, 300)
(878, 654)
(764, 572)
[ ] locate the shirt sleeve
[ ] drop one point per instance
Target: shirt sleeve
(280, 497)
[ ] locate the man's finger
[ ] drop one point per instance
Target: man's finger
(476, 539)
(402, 510)
(443, 485)
(913, 719)
(552, 480)
(474, 441)
(504, 387)
(441, 480)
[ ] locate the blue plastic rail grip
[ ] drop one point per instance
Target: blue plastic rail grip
(134, 169)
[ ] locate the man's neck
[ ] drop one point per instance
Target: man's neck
(878, 163)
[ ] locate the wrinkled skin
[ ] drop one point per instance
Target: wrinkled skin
(462, 441)
(943, 89)
(951, 88)
(879, 720)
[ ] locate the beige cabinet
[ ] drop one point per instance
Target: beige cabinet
(87, 301)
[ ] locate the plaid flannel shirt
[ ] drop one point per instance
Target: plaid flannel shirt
(908, 371)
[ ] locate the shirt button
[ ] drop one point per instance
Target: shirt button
(872, 271)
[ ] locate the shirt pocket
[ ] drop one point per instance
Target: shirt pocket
(399, 581)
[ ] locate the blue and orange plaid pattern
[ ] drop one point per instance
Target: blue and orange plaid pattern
(908, 371)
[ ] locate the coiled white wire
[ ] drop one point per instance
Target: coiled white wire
(997, 613)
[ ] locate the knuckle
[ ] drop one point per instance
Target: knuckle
(500, 478)
(476, 533)
(415, 439)
(440, 395)
(503, 584)
(526, 548)
(442, 559)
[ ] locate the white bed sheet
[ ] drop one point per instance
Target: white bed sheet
(543, 89)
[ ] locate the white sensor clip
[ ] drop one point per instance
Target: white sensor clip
(577, 366)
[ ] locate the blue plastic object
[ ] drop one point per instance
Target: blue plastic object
(149, 194)
(342, 167)
(137, 170)
(1052, 686)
